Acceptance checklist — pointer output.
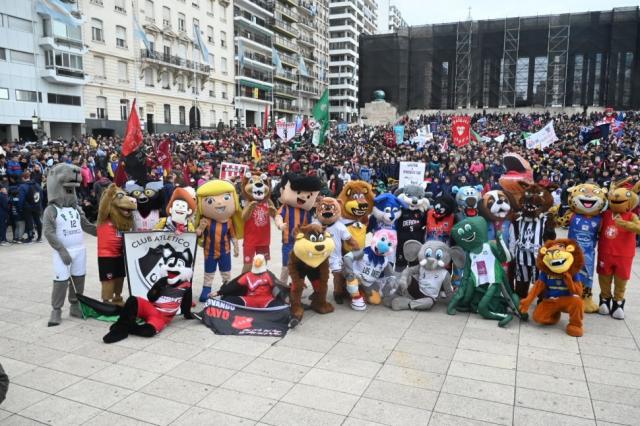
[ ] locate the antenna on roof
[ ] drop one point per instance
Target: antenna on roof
(469, 15)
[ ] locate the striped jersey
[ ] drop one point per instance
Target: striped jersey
(217, 239)
(293, 217)
(527, 238)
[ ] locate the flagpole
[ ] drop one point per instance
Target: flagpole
(136, 72)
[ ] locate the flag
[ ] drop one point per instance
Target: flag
(256, 155)
(163, 155)
(58, 11)
(302, 67)
(240, 53)
(275, 60)
(543, 138)
(228, 319)
(460, 130)
(600, 131)
(321, 114)
(197, 35)
(321, 70)
(133, 136)
(92, 308)
(298, 124)
(140, 34)
(475, 137)
(265, 122)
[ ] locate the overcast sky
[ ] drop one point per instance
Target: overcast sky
(419, 12)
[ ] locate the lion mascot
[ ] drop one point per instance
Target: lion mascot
(559, 263)
(257, 214)
(63, 225)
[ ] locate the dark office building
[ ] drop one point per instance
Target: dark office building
(577, 59)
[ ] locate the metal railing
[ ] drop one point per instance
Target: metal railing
(281, 88)
(289, 59)
(283, 105)
(286, 74)
(256, 75)
(174, 60)
(258, 38)
(290, 13)
(267, 5)
(280, 23)
(249, 17)
(257, 57)
(284, 42)
(66, 72)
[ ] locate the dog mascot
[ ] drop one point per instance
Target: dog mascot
(181, 207)
(256, 215)
(63, 225)
(115, 216)
(412, 222)
(559, 263)
(219, 225)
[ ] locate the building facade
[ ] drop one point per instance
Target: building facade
(42, 74)
(589, 59)
(395, 19)
(348, 20)
(177, 88)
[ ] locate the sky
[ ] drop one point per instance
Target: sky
(420, 12)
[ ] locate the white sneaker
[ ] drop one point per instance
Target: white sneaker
(358, 304)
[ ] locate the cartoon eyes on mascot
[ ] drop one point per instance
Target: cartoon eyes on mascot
(310, 260)
(149, 201)
(256, 216)
(440, 219)
(181, 207)
(484, 287)
(617, 247)
(559, 262)
(468, 199)
(356, 199)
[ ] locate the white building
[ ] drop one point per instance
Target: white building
(177, 89)
(347, 20)
(395, 20)
(40, 60)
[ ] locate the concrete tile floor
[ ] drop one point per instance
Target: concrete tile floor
(345, 368)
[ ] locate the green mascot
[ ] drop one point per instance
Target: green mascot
(484, 288)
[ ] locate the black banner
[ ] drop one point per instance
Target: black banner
(226, 318)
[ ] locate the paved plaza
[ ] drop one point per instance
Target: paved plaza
(345, 368)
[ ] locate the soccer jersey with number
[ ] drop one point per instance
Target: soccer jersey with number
(368, 272)
(68, 228)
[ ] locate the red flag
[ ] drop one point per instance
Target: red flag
(266, 118)
(163, 154)
(133, 137)
(460, 130)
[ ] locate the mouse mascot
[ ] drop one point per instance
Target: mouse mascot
(411, 225)
(115, 216)
(468, 200)
(617, 247)
(298, 195)
(149, 200)
(440, 219)
(64, 223)
(309, 259)
(179, 211)
(256, 216)
(559, 263)
(254, 289)
(169, 295)
(219, 226)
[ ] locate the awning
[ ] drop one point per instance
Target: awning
(250, 83)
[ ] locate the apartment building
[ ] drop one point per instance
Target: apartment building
(396, 21)
(177, 87)
(42, 74)
(348, 19)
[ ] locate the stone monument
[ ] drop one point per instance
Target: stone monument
(379, 112)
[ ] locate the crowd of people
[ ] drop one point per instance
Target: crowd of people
(345, 155)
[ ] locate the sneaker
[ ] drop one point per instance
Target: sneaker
(16, 242)
(4, 243)
(358, 304)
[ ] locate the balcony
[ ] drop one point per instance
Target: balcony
(288, 59)
(257, 40)
(174, 61)
(285, 76)
(283, 106)
(252, 21)
(257, 60)
(265, 77)
(250, 92)
(284, 91)
(287, 13)
(306, 40)
(285, 44)
(308, 89)
(307, 7)
(62, 75)
(266, 5)
(309, 23)
(292, 3)
(284, 27)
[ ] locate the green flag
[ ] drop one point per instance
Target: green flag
(321, 114)
(475, 137)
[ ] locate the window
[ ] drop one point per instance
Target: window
(195, 3)
(225, 116)
(121, 36)
(4, 93)
(101, 107)
(98, 67)
(486, 81)
(123, 72)
(124, 109)
(148, 11)
(597, 75)
(166, 16)
(54, 98)
(19, 24)
(61, 30)
(182, 50)
(22, 57)
(210, 6)
(97, 32)
(165, 80)
(212, 91)
(213, 118)
(444, 87)
(148, 77)
(210, 34)
(223, 65)
(181, 21)
(223, 13)
(167, 113)
(212, 61)
(167, 52)
(182, 114)
(3, 54)
(626, 78)
(539, 80)
(223, 39)
(120, 6)
(67, 60)
(224, 91)
(180, 83)
(578, 66)
(522, 79)
(26, 96)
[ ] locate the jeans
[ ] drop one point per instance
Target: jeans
(18, 229)
(32, 218)
(3, 228)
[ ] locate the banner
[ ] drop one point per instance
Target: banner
(286, 131)
(133, 135)
(543, 138)
(231, 170)
(146, 252)
(163, 155)
(433, 126)
(411, 173)
(399, 132)
(266, 144)
(342, 128)
(229, 319)
(460, 130)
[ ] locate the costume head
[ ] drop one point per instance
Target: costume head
(535, 199)
(414, 197)
(328, 211)
(467, 197)
(495, 206)
(259, 265)
(313, 244)
(181, 205)
(177, 265)
(621, 198)
(62, 181)
(256, 187)
(299, 191)
(470, 233)
(433, 254)
(219, 201)
(117, 206)
(443, 206)
(559, 256)
(356, 199)
(383, 242)
(387, 208)
(148, 197)
(587, 199)
(517, 169)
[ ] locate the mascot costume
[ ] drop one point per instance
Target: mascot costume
(617, 247)
(495, 207)
(309, 259)
(369, 272)
(468, 199)
(219, 226)
(115, 216)
(559, 263)
(411, 225)
(387, 209)
(484, 287)
(356, 200)
(149, 199)
(531, 227)
(328, 213)
(421, 284)
(256, 189)
(517, 170)
(169, 295)
(181, 207)
(298, 195)
(440, 219)
(63, 225)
